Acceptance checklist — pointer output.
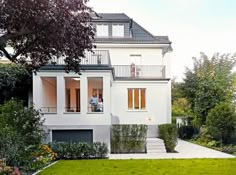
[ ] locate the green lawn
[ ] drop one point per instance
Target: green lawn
(143, 167)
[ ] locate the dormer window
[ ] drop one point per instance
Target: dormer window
(102, 30)
(118, 30)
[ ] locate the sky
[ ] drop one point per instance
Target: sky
(193, 26)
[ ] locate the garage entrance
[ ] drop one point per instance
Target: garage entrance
(72, 136)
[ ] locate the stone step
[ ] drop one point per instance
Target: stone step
(155, 145)
(156, 151)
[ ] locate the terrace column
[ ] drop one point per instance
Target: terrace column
(60, 94)
(37, 92)
(107, 94)
(83, 94)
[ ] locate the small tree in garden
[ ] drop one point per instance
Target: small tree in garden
(40, 31)
(26, 122)
(221, 122)
(20, 129)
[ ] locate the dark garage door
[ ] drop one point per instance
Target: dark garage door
(72, 135)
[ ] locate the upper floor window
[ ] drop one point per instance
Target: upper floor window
(118, 30)
(102, 30)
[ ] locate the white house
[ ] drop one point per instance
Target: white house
(129, 70)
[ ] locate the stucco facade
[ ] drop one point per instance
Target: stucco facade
(132, 79)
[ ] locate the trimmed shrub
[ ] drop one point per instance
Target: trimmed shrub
(168, 132)
(81, 150)
(221, 122)
(128, 138)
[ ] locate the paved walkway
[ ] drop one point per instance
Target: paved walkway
(185, 150)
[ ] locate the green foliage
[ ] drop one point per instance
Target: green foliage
(209, 83)
(181, 107)
(26, 122)
(36, 157)
(81, 150)
(176, 90)
(230, 148)
(221, 122)
(168, 132)
(15, 81)
(128, 138)
(11, 145)
(20, 129)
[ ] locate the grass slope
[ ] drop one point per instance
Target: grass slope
(144, 167)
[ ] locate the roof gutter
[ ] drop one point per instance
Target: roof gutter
(131, 45)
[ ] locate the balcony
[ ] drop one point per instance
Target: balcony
(97, 57)
(139, 71)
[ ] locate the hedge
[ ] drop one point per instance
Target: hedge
(81, 150)
(168, 132)
(128, 138)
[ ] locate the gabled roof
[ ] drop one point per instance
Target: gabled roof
(139, 35)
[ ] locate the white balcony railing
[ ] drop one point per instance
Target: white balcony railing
(48, 109)
(97, 57)
(139, 71)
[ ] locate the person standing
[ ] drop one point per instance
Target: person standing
(100, 105)
(93, 102)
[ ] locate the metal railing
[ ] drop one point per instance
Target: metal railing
(94, 109)
(139, 71)
(49, 109)
(72, 109)
(97, 57)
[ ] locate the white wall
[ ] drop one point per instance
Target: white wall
(121, 56)
(167, 61)
(157, 103)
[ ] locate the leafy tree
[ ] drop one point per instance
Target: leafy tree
(181, 107)
(176, 90)
(210, 82)
(26, 122)
(221, 122)
(180, 104)
(41, 31)
(15, 81)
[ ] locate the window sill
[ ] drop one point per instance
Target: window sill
(71, 113)
(95, 112)
(137, 110)
(49, 113)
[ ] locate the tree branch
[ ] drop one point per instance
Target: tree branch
(6, 53)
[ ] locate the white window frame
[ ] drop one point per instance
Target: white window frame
(139, 97)
(102, 30)
(118, 30)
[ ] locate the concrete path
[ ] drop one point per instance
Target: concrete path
(186, 150)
